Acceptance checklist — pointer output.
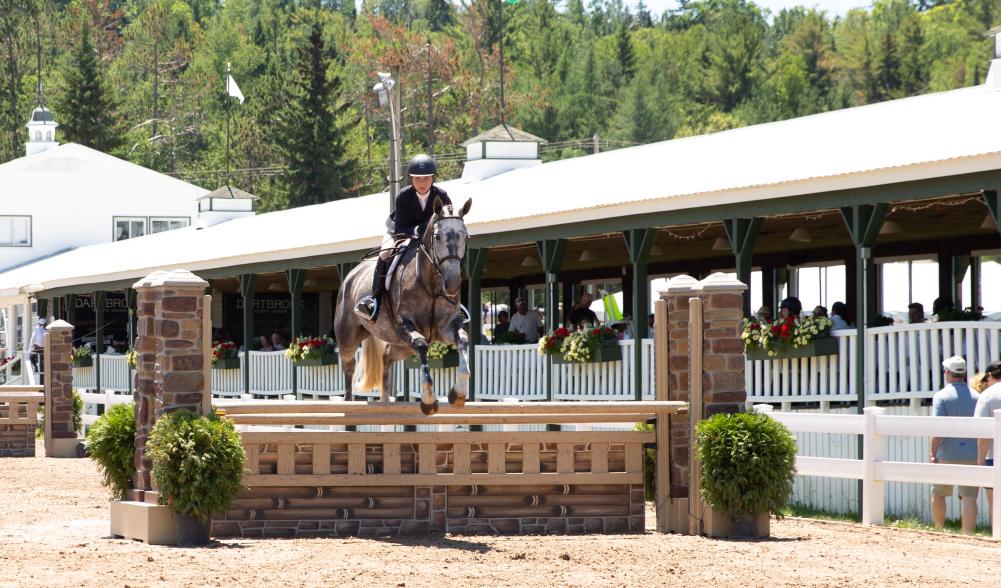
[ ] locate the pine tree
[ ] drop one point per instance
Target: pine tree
(439, 14)
(625, 53)
(314, 127)
(87, 109)
(643, 18)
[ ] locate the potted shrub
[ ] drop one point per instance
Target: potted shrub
(111, 441)
(588, 345)
(440, 356)
(197, 469)
(225, 356)
(82, 357)
(312, 351)
(748, 467)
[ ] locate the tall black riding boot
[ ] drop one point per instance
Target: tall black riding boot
(368, 307)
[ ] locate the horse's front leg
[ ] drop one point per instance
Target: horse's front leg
(457, 395)
(429, 403)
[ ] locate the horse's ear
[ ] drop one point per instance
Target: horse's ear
(465, 208)
(436, 207)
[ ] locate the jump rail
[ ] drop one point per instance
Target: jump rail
(403, 483)
(873, 469)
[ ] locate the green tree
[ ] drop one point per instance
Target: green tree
(87, 110)
(314, 127)
(439, 14)
(625, 53)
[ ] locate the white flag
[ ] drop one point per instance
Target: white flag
(233, 89)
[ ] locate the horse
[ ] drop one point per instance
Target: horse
(421, 305)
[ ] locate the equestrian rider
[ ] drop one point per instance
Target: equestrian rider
(414, 207)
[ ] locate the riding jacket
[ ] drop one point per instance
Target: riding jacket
(409, 218)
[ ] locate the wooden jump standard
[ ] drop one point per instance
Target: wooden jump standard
(306, 483)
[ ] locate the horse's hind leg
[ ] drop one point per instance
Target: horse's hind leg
(347, 356)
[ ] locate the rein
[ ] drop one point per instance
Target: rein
(435, 262)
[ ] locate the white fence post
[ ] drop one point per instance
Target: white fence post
(762, 408)
(873, 452)
(996, 506)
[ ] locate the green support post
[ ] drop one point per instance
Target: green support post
(638, 244)
(247, 284)
(476, 260)
(296, 279)
(551, 253)
(69, 301)
(43, 308)
(743, 235)
(864, 222)
(993, 202)
(130, 328)
(99, 298)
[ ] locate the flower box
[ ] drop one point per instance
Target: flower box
(824, 346)
(227, 363)
(602, 354)
(449, 360)
(83, 362)
(325, 359)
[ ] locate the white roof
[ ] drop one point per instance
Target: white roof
(929, 136)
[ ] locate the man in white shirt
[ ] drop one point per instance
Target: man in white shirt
(989, 401)
(526, 323)
(37, 344)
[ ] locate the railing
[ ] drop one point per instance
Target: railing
(874, 469)
(805, 379)
(7, 375)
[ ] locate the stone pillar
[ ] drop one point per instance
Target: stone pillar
(60, 438)
(679, 290)
(170, 353)
(723, 385)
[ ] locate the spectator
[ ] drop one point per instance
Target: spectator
(915, 313)
(266, 343)
(526, 323)
(819, 311)
(988, 402)
(790, 307)
(582, 313)
(978, 383)
(651, 321)
(764, 314)
(277, 344)
(37, 344)
(502, 325)
(955, 399)
(941, 305)
(839, 316)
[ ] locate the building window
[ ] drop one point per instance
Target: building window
(38, 135)
(48, 135)
(129, 227)
(159, 224)
(15, 231)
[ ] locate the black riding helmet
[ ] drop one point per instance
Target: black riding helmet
(422, 165)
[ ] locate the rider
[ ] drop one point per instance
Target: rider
(414, 207)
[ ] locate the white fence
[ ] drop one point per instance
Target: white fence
(877, 466)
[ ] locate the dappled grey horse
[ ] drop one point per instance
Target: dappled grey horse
(420, 306)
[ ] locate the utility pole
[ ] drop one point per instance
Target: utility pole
(430, 103)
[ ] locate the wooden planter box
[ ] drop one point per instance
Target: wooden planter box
(602, 354)
(719, 525)
(323, 360)
(227, 363)
(450, 360)
(825, 346)
(84, 362)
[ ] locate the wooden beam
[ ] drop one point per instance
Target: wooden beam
(575, 479)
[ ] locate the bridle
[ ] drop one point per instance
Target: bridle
(435, 261)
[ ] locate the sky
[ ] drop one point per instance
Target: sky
(838, 7)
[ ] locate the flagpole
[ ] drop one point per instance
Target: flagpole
(228, 77)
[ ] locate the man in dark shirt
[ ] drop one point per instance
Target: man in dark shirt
(582, 313)
(414, 208)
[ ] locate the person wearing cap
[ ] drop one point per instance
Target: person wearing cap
(525, 322)
(955, 399)
(989, 401)
(37, 344)
(413, 210)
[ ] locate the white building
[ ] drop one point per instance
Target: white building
(59, 197)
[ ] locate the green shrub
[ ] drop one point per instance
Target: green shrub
(77, 416)
(748, 463)
(197, 463)
(111, 442)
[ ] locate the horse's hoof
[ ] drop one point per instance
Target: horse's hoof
(455, 400)
(429, 409)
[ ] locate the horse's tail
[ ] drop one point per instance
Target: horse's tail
(370, 370)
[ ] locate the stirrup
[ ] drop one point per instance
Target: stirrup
(465, 312)
(367, 308)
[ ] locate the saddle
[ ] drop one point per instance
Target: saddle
(400, 247)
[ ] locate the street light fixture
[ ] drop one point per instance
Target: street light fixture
(384, 91)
